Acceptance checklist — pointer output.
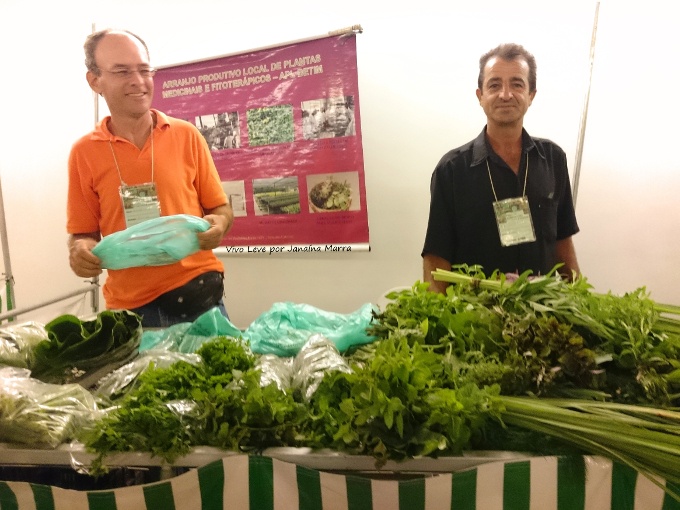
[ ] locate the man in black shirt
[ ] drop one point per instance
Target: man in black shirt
(502, 201)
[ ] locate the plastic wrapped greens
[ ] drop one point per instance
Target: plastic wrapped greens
(304, 372)
(117, 383)
(318, 356)
(17, 342)
(42, 414)
(275, 369)
(78, 350)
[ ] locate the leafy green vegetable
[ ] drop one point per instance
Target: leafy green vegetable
(394, 406)
(157, 417)
(646, 439)
(248, 417)
(75, 347)
(216, 403)
(554, 335)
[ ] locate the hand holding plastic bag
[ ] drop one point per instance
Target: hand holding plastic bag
(156, 242)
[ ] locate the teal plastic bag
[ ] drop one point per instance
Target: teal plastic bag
(285, 328)
(187, 337)
(155, 242)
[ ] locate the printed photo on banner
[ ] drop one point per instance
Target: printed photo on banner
(276, 196)
(220, 130)
(328, 118)
(270, 125)
(333, 192)
(236, 193)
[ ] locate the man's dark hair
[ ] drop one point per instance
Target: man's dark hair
(509, 51)
(93, 40)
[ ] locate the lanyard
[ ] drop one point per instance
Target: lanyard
(513, 215)
(526, 175)
(120, 176)
(140, 202)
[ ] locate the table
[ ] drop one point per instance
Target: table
(299, 479)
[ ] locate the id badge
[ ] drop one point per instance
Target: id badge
(513, 217)
(140, 203)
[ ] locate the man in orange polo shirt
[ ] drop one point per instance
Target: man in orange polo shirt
(158, 166)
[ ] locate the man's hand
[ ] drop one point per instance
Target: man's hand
(220, 219)
(83, 262)
(432, 263)
(566, 253)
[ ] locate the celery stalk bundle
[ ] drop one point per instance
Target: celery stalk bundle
(643, 438)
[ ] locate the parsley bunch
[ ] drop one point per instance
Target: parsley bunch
(218, 402)
(398, 404)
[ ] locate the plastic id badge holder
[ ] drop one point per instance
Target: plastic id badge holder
(513, 217)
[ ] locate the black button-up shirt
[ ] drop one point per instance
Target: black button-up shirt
(462, 225)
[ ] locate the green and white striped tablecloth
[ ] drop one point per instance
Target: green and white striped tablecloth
(245, 482)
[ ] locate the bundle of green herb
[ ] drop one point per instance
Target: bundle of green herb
(552, 336)
(398, 405)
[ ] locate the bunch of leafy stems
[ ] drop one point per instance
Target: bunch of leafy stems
(644, 438)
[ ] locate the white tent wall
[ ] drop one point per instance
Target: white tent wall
(417, 78)
(627, 203)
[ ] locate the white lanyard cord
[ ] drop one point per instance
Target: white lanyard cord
(526, 174)
(120, 176)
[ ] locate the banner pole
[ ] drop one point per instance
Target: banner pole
(9, 277)
(94, 301)
(584, 116)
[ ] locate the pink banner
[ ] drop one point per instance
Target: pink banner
(283, 125)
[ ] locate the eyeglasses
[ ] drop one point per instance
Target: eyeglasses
(125, 74)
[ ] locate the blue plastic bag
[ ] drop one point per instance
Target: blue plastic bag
(155, 242)
(286, 327)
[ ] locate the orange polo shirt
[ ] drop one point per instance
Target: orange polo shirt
(186, 182)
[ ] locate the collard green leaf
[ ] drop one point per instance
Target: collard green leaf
(75, 347)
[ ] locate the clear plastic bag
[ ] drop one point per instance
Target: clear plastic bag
(42, 414)
(286, 327)
(304, 372)
(155, 242)
(275, 369)
(78, 350)
(17, 342)
(318, 357)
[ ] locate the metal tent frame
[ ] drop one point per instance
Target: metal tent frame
(12, 312)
